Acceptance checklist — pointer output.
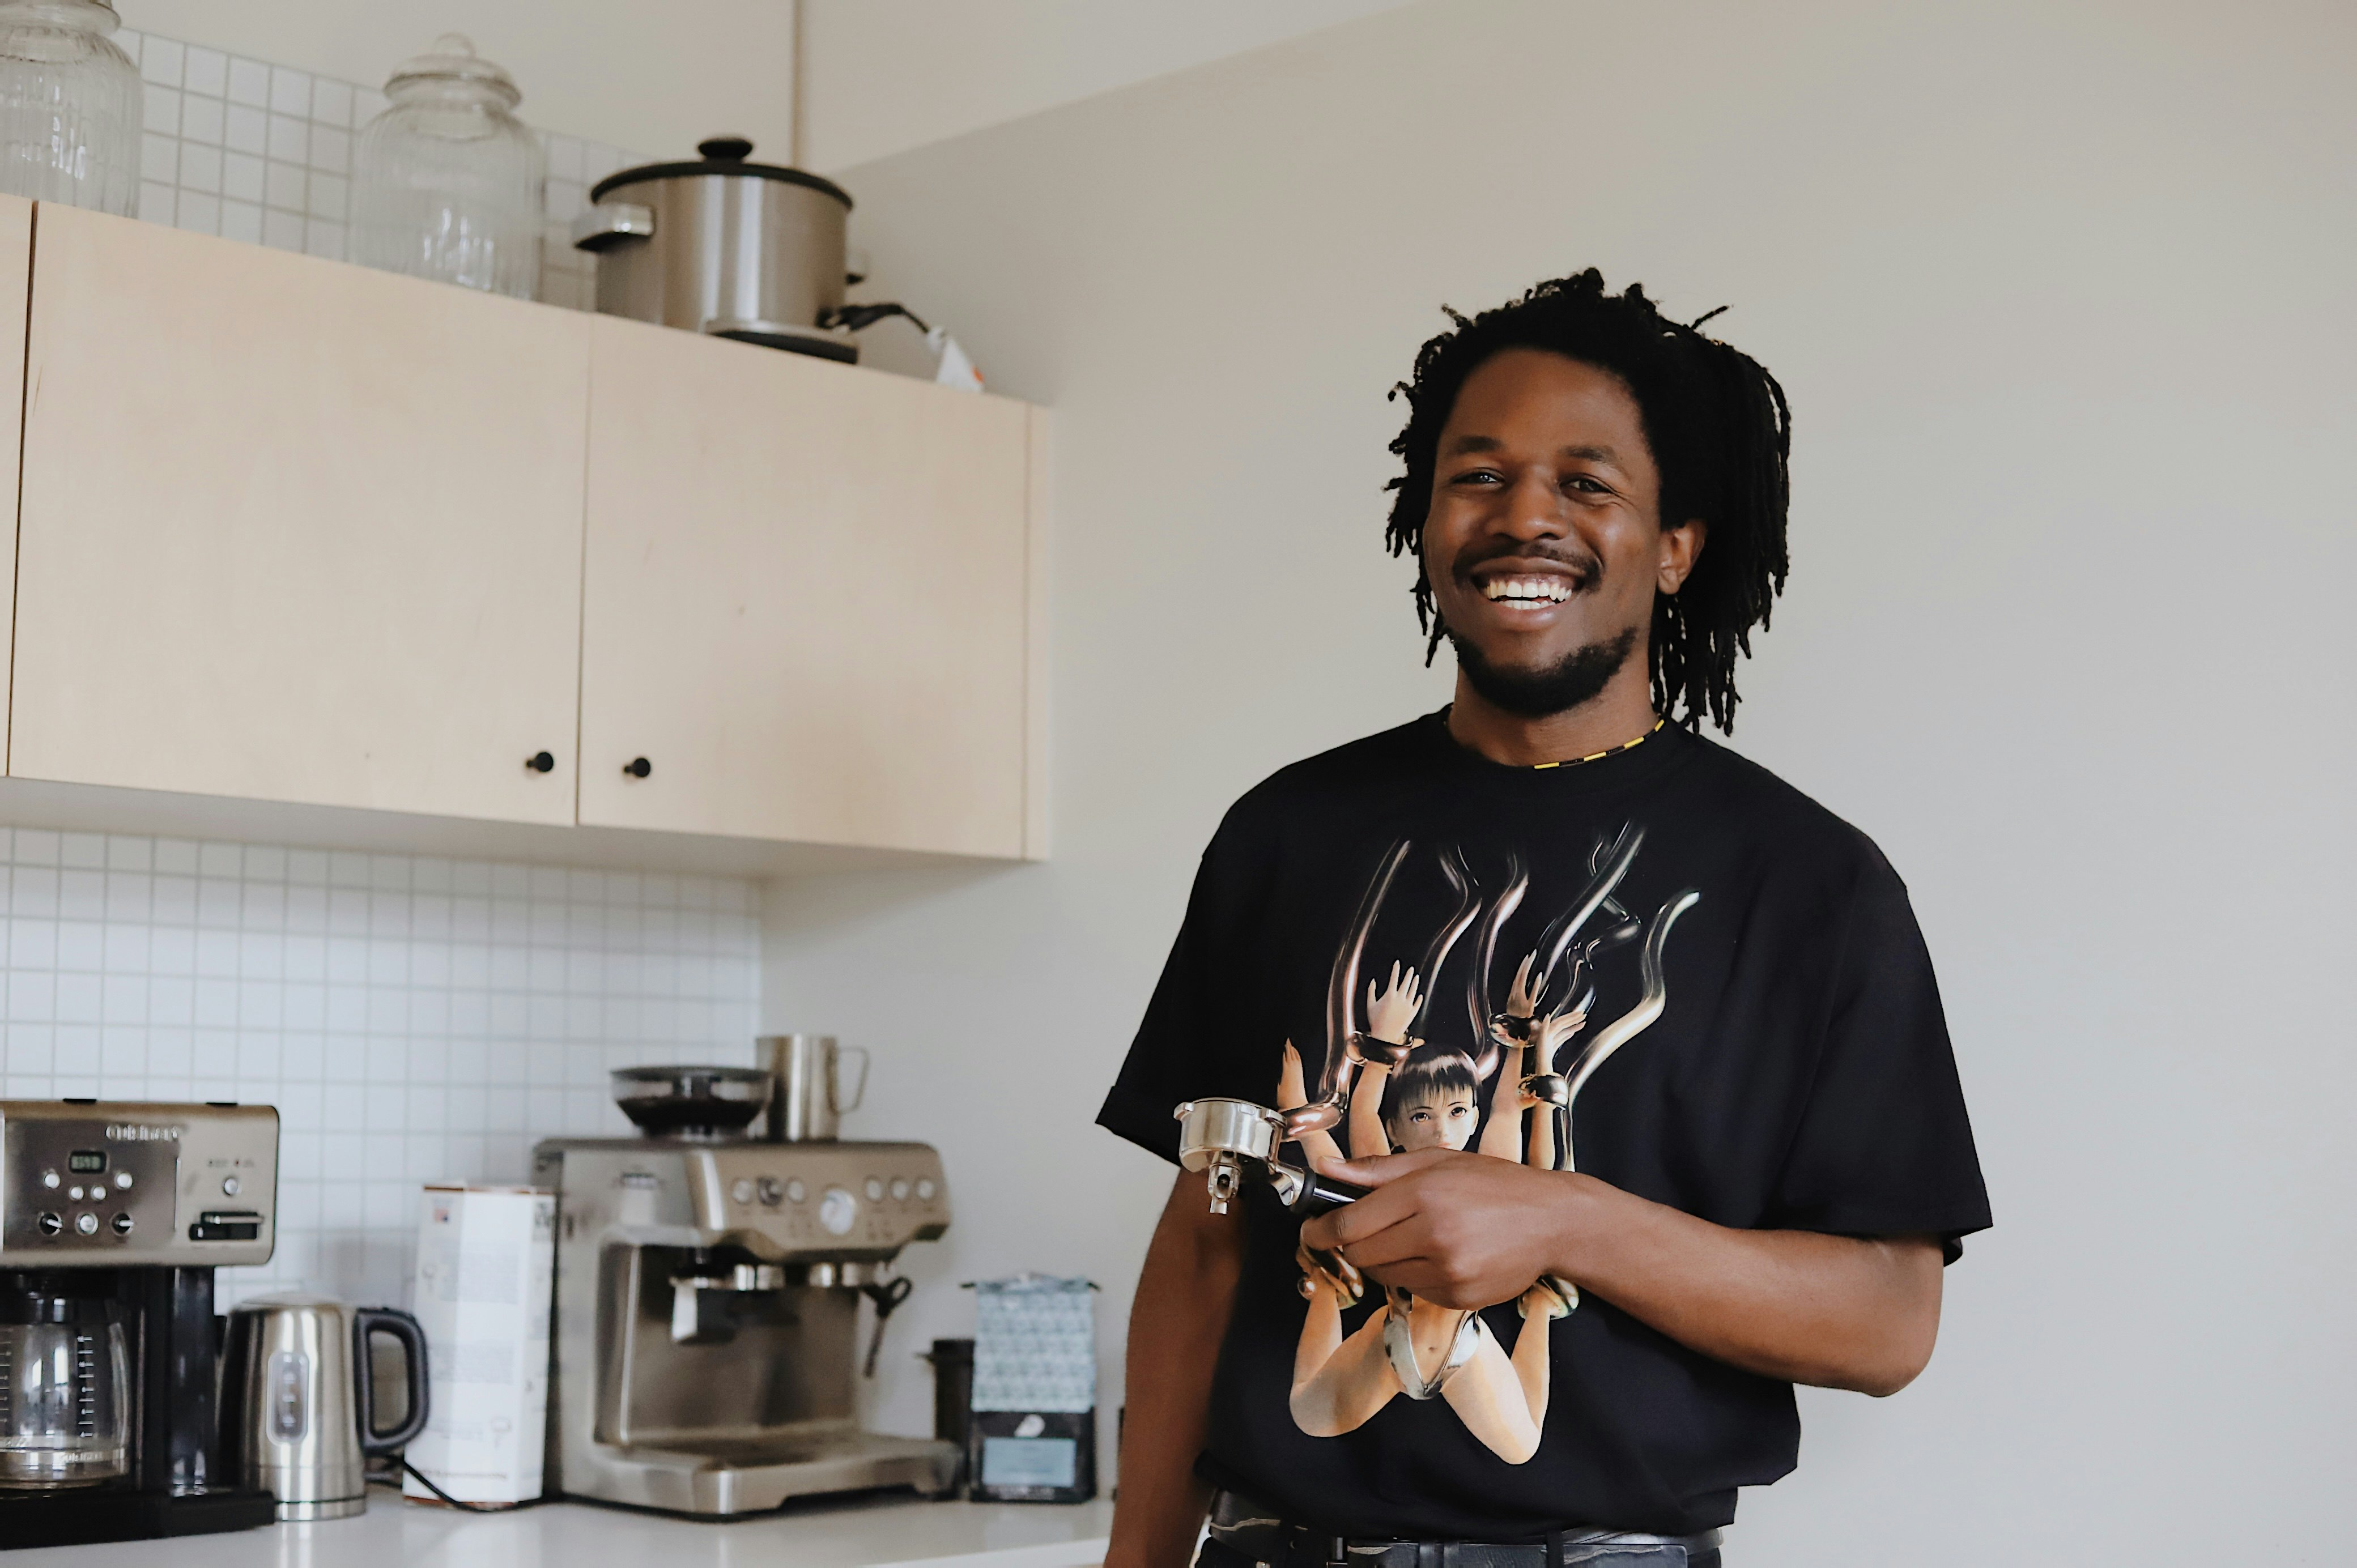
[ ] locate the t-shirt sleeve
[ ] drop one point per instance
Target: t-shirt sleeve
(1197, 1037)
(1884, 1145)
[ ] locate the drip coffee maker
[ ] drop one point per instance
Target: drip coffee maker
(707, 1302)
(113, 1218)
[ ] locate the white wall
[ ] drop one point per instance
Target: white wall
(889, 75)
(2062, 296)
(657, 78)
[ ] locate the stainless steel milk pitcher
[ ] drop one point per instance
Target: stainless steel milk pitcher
(806, 1098)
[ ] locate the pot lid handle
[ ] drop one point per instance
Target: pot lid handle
(726, 149)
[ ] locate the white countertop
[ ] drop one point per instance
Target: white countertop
(867, 1533)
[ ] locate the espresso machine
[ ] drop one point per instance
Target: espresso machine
(707, 1295)
(114, 1215)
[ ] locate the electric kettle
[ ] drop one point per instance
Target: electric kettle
(301, 1417)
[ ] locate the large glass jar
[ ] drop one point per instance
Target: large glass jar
(70, 105)
(447, 181)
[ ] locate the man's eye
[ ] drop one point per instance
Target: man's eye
(1587, 485)
(1478, 477)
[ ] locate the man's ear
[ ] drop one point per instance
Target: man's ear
(1681, 548)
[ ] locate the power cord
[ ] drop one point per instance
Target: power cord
(426, 1481)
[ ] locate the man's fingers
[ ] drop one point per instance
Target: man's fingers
(1378, 1170)
(1354, 1222)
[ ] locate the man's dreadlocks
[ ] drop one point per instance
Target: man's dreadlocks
(1719, 432)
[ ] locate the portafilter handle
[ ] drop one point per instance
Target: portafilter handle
(1230, 1139)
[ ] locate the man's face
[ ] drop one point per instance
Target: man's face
(1544, 543)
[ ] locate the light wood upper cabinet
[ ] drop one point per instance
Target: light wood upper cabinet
(806, 598)
(16, 276)
(293, 530)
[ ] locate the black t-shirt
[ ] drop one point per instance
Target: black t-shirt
(1798, 1075)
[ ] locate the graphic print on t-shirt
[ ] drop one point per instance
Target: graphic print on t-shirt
(1386, 1084)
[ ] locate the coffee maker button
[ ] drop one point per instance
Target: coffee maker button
(86, 1223)
(773, 1193)
(50, 1179)
(229, 1186)
(123, 1225)
(925, 1189)
(796, 1191)
(875, 1190)
(742, 1189)
(122, 1179)
(75, 1193)
(900, 1188)
(52, 1224)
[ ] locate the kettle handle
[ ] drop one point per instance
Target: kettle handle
(368, 1320)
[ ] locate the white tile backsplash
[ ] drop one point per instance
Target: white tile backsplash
(413, 1018)
(281, 131)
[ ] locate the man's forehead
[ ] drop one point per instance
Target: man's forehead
(1469, 442)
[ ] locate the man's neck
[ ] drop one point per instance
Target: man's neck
(1614, 716)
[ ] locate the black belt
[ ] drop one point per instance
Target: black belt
(1251, 1533)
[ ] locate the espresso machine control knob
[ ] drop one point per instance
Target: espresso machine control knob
(772, 1191)
(838, 1211)
(742, 1189)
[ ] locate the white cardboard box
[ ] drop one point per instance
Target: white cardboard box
(485, 1260)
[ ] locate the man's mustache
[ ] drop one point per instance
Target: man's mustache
(1586, 569)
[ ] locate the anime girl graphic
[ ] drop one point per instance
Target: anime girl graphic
(1392, 1092)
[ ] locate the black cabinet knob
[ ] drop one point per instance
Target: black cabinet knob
(637, 767)
(540, 762)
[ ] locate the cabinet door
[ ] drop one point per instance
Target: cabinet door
(16, 275)
(296, 531)
(803, 599)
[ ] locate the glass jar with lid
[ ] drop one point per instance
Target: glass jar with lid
(70, 105)
(447, 181)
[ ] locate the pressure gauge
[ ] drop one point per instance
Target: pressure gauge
(838, 1211)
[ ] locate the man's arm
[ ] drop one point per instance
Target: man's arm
(1469, 1231)
(1180, 1316)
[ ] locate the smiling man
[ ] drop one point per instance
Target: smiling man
(1722, 1148)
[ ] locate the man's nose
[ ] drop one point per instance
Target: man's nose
(1535, 508)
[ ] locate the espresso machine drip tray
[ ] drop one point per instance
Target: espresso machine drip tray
(708, 1298)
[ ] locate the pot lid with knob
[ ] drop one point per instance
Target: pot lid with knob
(728, 157)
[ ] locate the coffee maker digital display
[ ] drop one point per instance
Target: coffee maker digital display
(114, 1215)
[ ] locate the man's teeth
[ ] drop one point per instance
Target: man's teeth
(1527, 590)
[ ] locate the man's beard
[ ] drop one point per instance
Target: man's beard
(1562, 686)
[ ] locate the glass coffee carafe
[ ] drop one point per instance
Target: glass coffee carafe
(65, 1380)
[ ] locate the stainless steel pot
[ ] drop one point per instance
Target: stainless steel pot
(740, 250)
(302, 1416)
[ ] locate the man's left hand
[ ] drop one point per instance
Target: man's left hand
(1456, 1228)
